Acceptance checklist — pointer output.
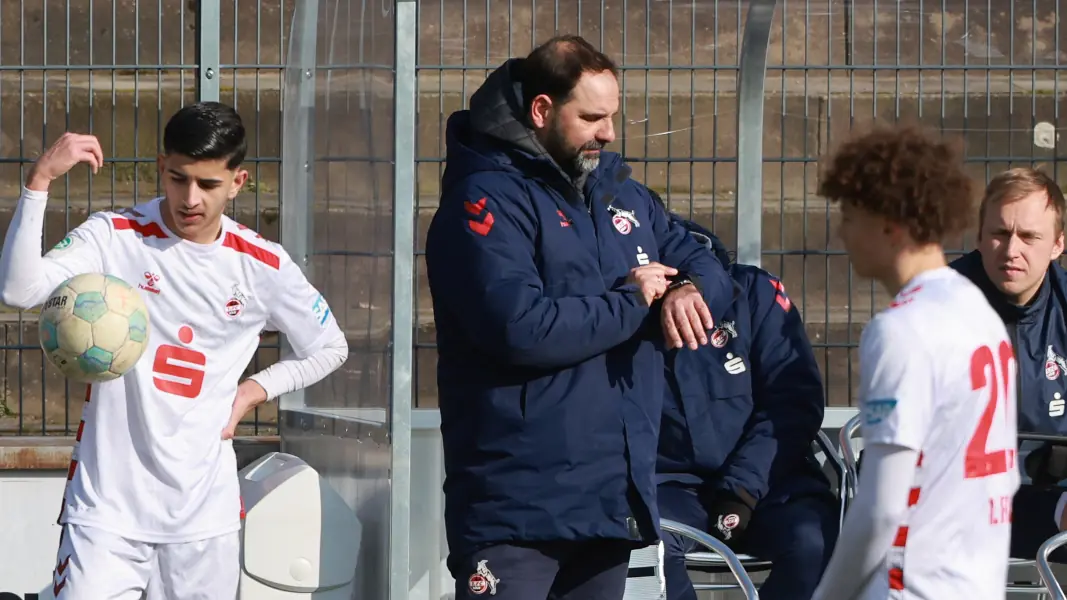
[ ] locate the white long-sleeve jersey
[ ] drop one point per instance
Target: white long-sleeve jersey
(932, 516)
(150, 463)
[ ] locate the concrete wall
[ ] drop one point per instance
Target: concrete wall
(682, 108)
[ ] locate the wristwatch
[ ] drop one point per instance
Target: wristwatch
(677, 283)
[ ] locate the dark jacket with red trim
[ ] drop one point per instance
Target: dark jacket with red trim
(549, 375)
(741, 414)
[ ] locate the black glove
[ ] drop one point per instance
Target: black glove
(729, 517)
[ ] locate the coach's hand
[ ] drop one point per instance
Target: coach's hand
(652, 279)
(249, 395)
(69, 150)
(686, 319)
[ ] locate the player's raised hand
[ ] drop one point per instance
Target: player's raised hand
(69, 150)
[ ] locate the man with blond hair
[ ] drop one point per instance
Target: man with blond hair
(1020, 238)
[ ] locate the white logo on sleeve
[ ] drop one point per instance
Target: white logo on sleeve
(1056, 405)
(321, 310)
(735, 365)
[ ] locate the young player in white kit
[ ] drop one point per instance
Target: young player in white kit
(932, 516)
(153, 480)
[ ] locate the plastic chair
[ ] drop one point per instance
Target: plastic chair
(850, 456)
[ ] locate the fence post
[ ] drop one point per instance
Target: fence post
(208, 34)
(298, 129)
(405, 105)
(751, 74)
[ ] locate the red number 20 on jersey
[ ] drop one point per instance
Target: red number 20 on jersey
(985, 374)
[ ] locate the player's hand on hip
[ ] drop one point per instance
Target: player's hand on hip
(249, 395)
(686, 319)
(652, 279)
(69, 150)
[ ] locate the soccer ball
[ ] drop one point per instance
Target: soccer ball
(94, 327)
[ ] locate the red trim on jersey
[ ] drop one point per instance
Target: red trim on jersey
(81, 430)
(896, 579)
(913, 496)
(73, 467)
(247, 228)
(902, 537)
(243, 246)
(147, 230)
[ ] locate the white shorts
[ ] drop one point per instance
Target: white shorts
(93, 564)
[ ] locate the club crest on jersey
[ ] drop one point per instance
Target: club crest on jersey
(1055, 365)
(483, 580)
(721, 335)
(236, 303)
(151, 282)
(876, 411)
(623, 220)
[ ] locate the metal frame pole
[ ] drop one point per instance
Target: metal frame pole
(298, 131)
(208, 34)
(751, 74)
(405, 105)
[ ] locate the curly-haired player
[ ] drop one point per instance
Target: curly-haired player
(932, 515)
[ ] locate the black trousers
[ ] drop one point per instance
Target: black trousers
(1034, 521)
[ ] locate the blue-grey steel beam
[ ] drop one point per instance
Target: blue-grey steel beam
(751, 74)
(208, 38)
(403, 342)
(298, 131)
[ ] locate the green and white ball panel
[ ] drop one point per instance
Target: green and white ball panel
(94, 327)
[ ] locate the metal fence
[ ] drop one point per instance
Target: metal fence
(714, 111)
(728, 119)
(119, 69)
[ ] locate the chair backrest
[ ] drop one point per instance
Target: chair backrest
(840, 469)
(849, 454)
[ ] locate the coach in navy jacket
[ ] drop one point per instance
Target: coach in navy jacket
(548, 367)
(1020, 238)
(735, 449)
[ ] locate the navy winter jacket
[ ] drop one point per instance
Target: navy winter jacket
(1039, 335)
(548, 365)
(741, 414)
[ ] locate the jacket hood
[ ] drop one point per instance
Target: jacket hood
(709, 239)
(492, 134)
(970, 265)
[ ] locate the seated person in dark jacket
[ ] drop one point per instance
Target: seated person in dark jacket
(1020, 237)
(735, 451)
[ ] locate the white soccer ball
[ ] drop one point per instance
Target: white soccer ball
(94, 327)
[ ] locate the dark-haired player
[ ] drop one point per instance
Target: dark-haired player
(153, 480)
(932, 515)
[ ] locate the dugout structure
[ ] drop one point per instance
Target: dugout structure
(351, 99)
